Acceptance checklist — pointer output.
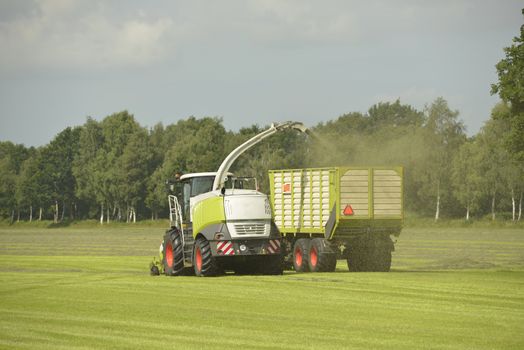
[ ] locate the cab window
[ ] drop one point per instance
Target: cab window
(201, 184)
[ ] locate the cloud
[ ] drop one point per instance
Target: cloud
(301, 22)
(64, 33)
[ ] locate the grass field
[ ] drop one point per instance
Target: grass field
(456, 288)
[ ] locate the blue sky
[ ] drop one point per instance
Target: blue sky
(245, 61)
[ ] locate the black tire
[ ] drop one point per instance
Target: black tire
(321, 257)
(356, 260)
(173, 256)
(301, 254)
(382, 259)
(205, 265)
(331, 264)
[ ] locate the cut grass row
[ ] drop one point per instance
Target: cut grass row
(61, 288)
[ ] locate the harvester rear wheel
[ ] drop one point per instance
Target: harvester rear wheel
(204, 263)
(321, 258)
(173, 259)
(301, 255)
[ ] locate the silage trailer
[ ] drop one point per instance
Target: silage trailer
(325, 214)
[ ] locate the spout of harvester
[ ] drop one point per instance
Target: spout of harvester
(290, 125)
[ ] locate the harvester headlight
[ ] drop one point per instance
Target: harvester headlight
(243, 248)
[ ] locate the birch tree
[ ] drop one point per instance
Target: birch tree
(466, 177)
(445, 135)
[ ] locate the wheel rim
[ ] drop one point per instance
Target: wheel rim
(169, 255)
(198, 259)
(313, 256)
(298, 257)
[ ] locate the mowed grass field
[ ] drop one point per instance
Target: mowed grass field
(457, 288)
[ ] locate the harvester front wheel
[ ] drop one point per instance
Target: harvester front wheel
(321, 258)
(301, 255)
(204, 263)
(173, 259)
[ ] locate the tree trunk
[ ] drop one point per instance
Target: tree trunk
(31, 213)
(101, 213)
(467, 213)
(55, 219)
(114, 212)
(493, 207)
(513, 206)
(520, 207)
(63, 211)
(437, 212)
(134, 216)
(12, 215)
(107, 212)
(119, 213)
(17, 214)
(40, 214)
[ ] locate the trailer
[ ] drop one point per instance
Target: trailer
(325, 214)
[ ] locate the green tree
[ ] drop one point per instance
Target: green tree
(510, 88)
(57, 168)
(445, 134)
(132, 169)
(394, 115)
(466, 177)
(11, 159)
(28, 189)
(494, 158)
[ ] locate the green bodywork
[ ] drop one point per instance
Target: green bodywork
(207, 212)
(343, 226)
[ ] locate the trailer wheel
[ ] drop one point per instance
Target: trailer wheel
(173, 259)
(321, 258)
(382, 259)
(357, 259)
(204, 263)
(331, 264)
(301, 255)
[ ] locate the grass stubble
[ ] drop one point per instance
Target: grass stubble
(450, 288)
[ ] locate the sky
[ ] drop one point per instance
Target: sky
(248, 62)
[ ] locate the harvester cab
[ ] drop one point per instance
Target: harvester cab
(222, 222)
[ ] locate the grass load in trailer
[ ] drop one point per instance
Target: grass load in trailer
(325, 214)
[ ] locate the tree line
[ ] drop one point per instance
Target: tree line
(115, 169)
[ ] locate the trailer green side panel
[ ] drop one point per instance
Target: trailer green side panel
(337, 201)
(302, 199)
